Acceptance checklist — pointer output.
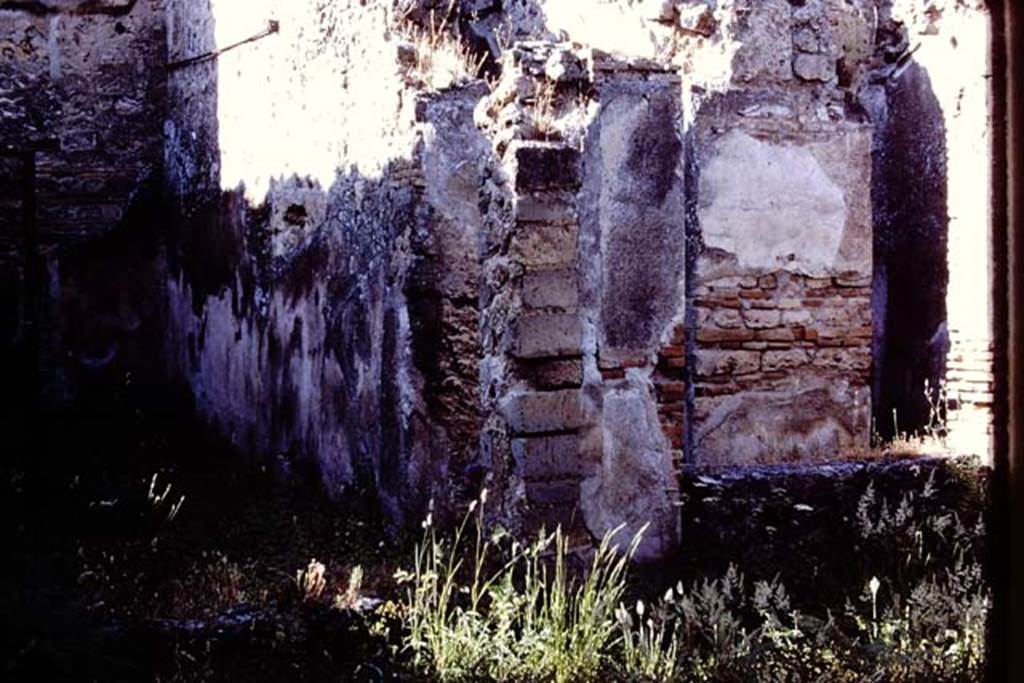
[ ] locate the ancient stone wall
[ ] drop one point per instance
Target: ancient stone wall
(731, 246)
(781, 288)
(322, 272)
(81, 102)
(782, 228)
(86, 76)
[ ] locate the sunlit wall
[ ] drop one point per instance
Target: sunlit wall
(321, 95)
(955, 44)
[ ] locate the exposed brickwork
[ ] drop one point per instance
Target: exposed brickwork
(752, 333)
(93, 84)
(670, 383)
(82, 90)
(616, 287)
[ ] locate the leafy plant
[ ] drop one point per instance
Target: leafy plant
(483, 607)
(924, 620)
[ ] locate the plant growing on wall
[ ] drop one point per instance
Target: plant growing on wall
(437, 58)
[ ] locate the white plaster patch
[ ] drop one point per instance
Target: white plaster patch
(773, 206)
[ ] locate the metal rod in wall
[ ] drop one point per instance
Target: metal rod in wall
(272, 28)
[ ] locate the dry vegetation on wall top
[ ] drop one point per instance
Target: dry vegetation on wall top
(433, 56)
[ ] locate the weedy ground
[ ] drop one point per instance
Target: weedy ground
(137, 546)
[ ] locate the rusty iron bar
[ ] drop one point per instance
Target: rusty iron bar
(273, 27)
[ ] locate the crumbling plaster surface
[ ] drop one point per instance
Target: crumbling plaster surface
(322, 274)
(782, 229)
(777, 194)
(640, 214)
(634, 457)
(800, 213)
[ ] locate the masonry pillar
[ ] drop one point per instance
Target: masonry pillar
(582, 299)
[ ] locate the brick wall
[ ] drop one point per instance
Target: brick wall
(89, 77)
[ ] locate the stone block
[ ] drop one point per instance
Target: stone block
(546, 207)
(853, 280)
(728, 318)
(553, 492)
(532, 412)
(564, 66)
(784, 360)
(546, 166)
(843, 359)
(558, 373)
(766, 47)
(728, 362)
(539, 245)
(548, 456)
(779, 334)
(713, 301)
(610, 358)
(833, 317)
(814, 67)
(709, 336)
(549, 517)
(546, 335)
(796, 317)
(551, 288)
(762, 318)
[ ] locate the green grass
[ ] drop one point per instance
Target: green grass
(472, 616)
(480, 606)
